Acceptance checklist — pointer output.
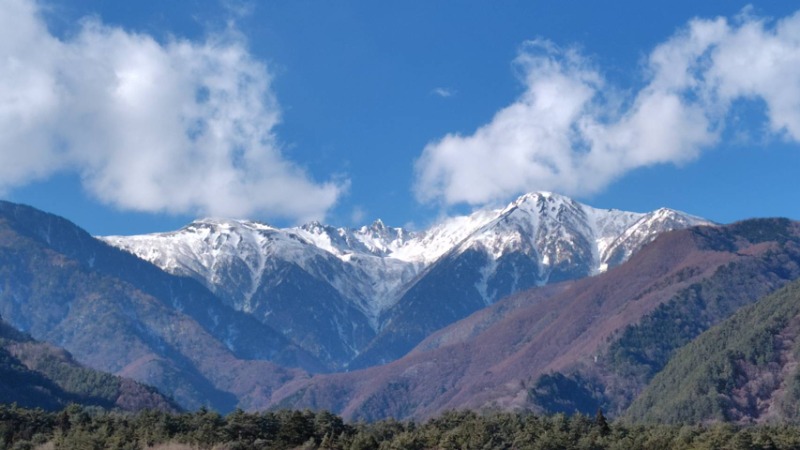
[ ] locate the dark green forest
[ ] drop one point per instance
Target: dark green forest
(77, 427)
(743, 369)
(35, 374)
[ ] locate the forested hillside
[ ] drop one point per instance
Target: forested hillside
(39, 375)
(575, 346)
(765, 256)
(117, 313)
(744, 370)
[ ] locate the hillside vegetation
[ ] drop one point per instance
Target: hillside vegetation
(765, 257)
(743, 370)
(80, 428)
(119, 314)
(38, 375)
(574, 347)
(571, 347)
(643, 349)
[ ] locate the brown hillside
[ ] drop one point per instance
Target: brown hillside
(490, 359)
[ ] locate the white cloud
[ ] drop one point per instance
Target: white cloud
(444, 92)
(756, 61)
(573, 133)
(180, 126)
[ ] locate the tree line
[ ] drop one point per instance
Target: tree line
(78, 427)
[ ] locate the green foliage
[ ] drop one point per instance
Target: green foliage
(38, 375)
(557, 393)
(700, 382)
(643, 350)
(77, 427)
(790, 404)
(95, 387)
(29, 388)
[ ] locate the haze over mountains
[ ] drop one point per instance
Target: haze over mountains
(546, 305)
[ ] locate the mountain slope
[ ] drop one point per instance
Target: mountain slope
(267, 274)
(360, 297)
(243, 335)
(539, 239)
(38, 375)
(768, 252)
(119, 314)
(744, 370)
(548, 347)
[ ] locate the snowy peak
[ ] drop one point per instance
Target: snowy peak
(543, 203)
(617, 247)
(539, 238)
(559, 229)
(549, 227)
(218, 225)
(376, 239)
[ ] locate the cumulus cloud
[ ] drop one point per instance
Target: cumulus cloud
(181, 126)
(571, 131)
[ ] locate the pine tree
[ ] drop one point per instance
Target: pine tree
(601, 423)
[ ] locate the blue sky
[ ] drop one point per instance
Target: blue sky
(132, 117)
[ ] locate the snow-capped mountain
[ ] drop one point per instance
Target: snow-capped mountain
(341, 292)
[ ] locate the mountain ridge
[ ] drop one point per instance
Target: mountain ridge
(417, 248)
(745, 370)
(534, 349)
(122, 314)
(371, 279)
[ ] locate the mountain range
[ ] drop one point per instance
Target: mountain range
(360, 297)
(545, 305)
(580, 345)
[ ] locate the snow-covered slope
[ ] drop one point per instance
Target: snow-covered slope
(563, 234)
(373, 262)
(360, 275)
(538, 239)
